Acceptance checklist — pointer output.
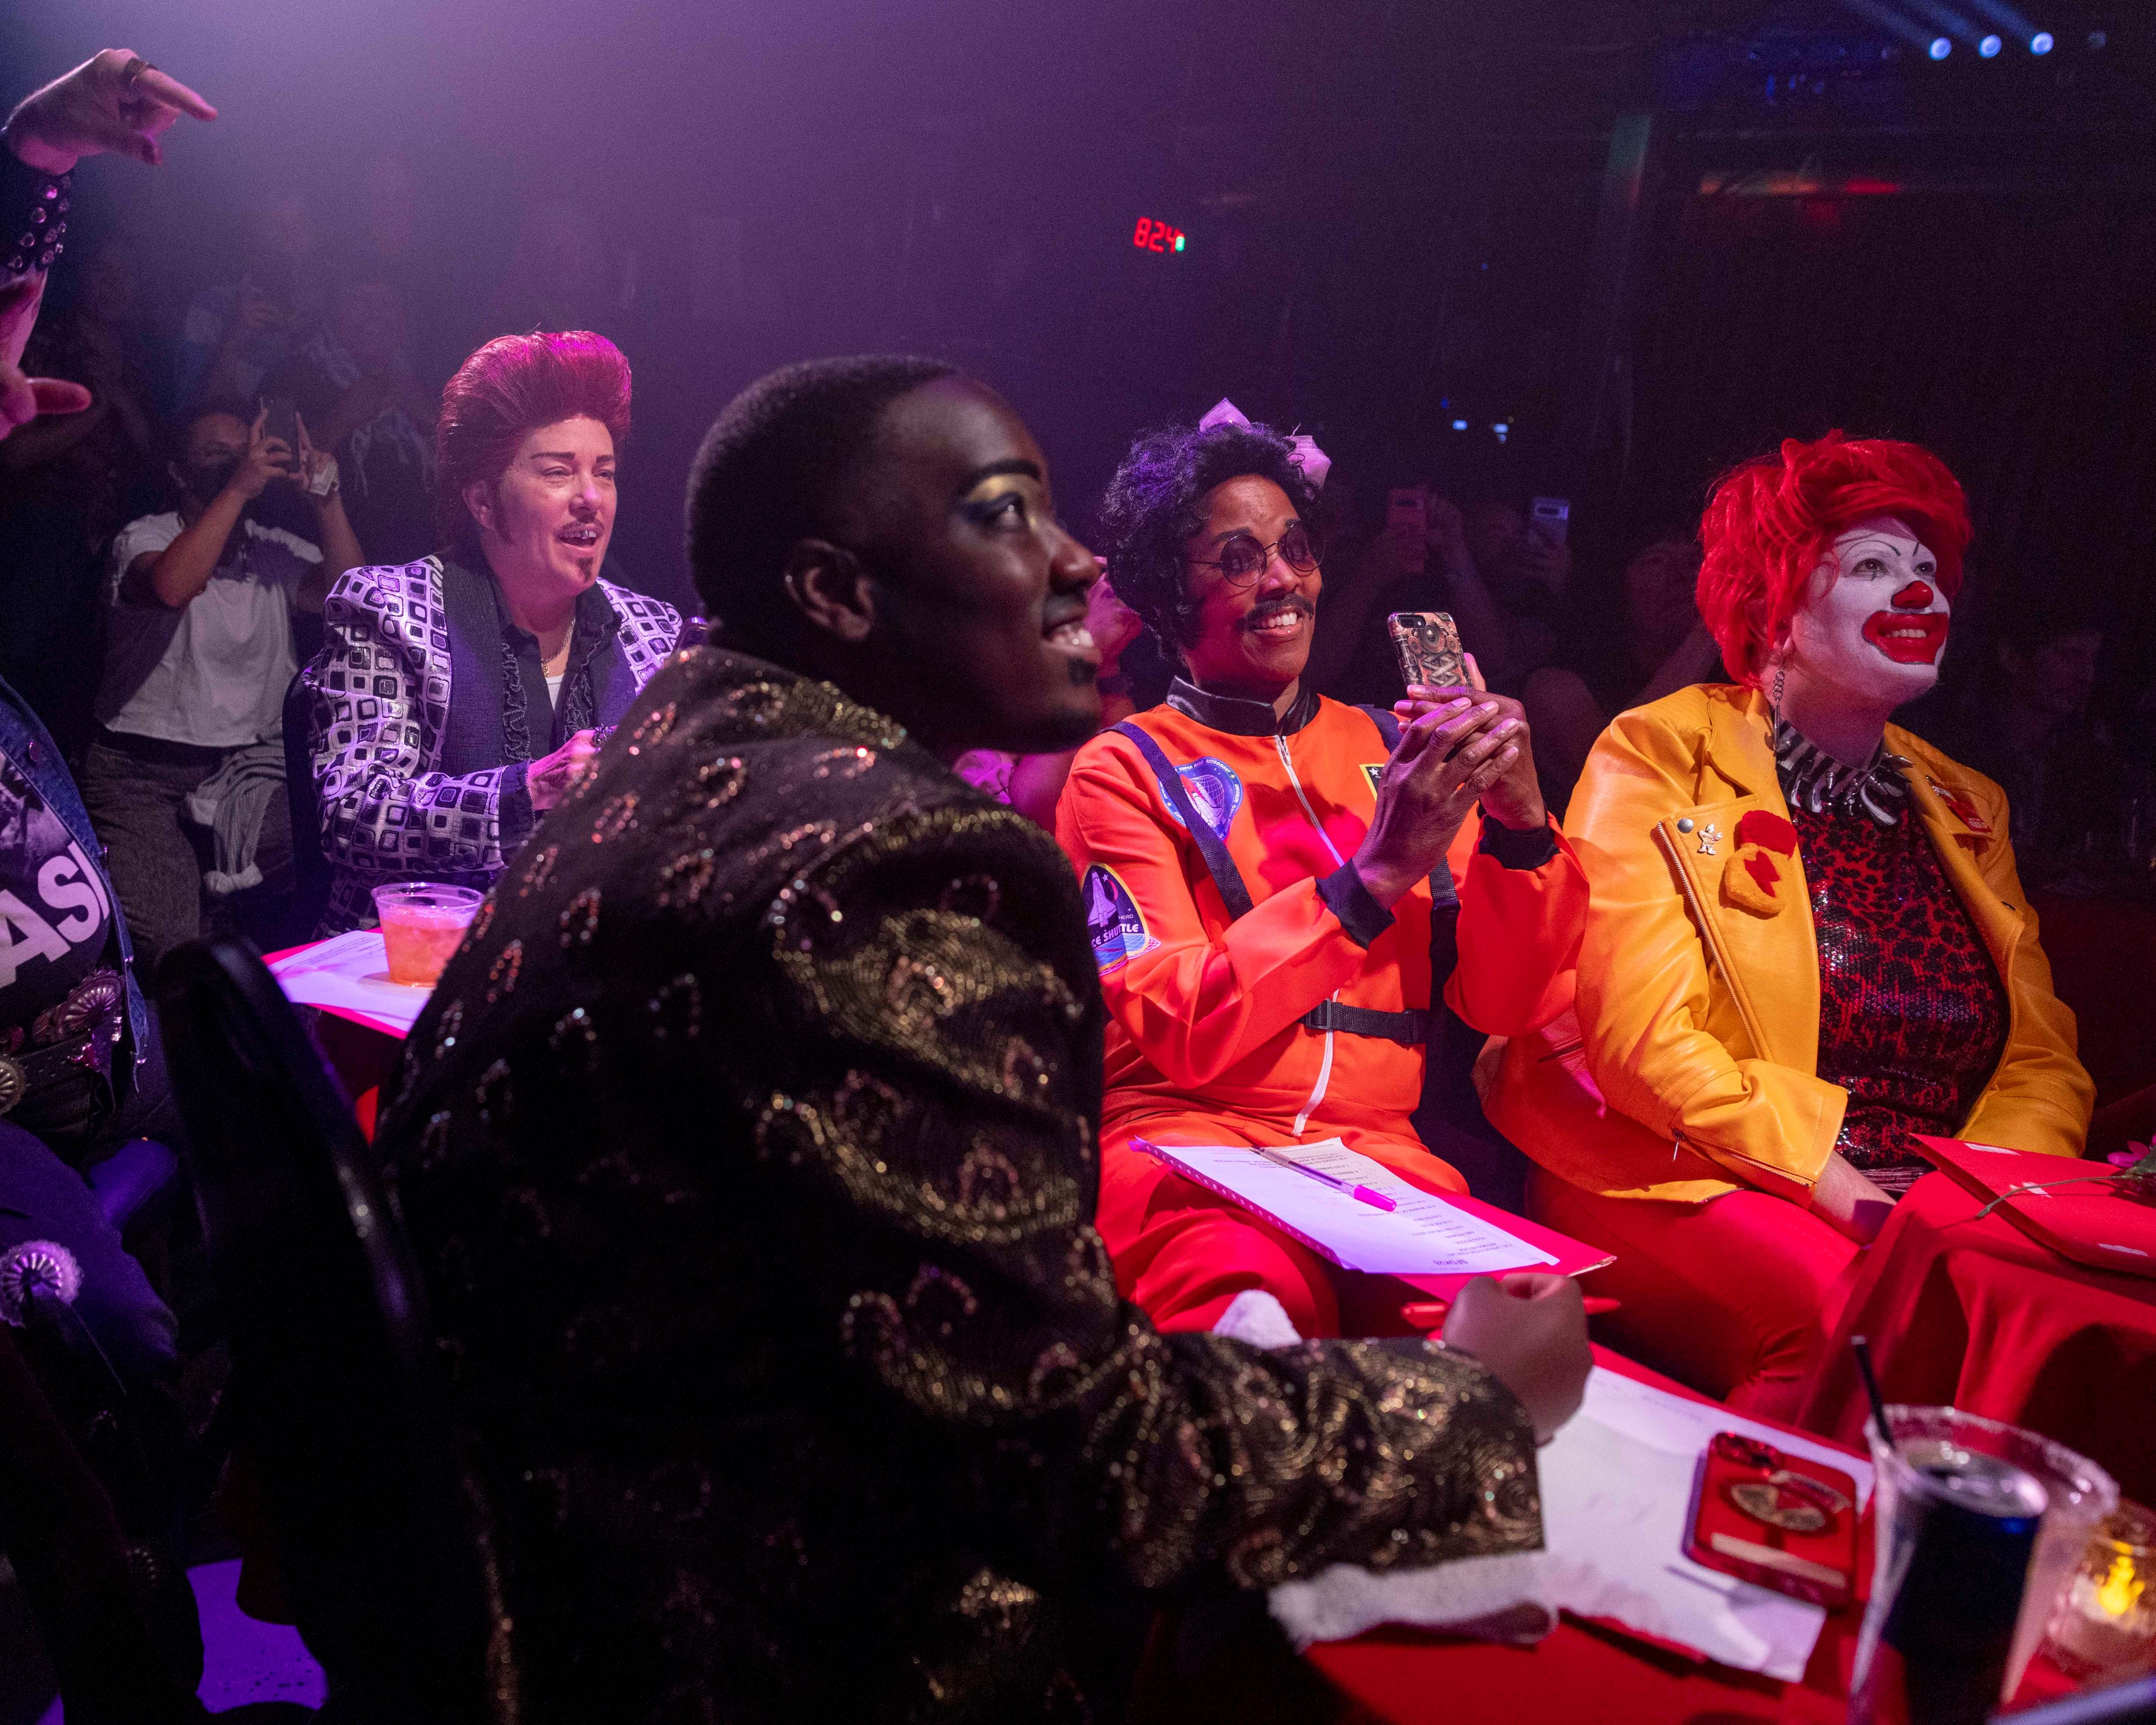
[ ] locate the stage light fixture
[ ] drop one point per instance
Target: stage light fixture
(1942, 46)
(1990, 46)
(2041, 42)
(1460, 425)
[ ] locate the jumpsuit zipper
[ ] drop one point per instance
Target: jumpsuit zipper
(1325, 1065)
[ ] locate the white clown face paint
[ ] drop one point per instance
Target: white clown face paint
(1874, 621)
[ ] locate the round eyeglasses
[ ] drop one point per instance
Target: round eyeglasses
(1243, 559)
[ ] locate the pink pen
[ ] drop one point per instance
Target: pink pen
(1377, 1200)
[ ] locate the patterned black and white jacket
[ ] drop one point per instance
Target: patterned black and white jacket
(426, 705)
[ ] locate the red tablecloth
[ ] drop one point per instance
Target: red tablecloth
(1577, 1673)
(359, 1050)
(1978, 1314)
(1403, 1676)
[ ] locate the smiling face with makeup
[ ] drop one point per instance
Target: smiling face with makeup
(544, 523)
(1251, 640)
(1874, 621)
(974, 631)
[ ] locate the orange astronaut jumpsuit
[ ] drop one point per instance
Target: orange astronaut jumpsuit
(1306, 1015)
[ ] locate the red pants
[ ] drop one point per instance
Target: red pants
(1735, 1296)
(1182, 1252)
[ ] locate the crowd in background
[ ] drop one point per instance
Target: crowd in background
(169, 546)
(272, 451)
(349, 337)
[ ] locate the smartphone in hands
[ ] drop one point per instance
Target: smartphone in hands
(1427, 645)
(282, 421)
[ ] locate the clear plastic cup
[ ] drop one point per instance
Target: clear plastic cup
(422, 923)
(2077, 1494)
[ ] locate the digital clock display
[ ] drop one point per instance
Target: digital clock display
(1155, 236)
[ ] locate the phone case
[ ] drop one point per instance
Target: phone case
(1784, 1523)
(1427, 643)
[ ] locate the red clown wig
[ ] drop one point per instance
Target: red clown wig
(513, 385)
(1769, 522)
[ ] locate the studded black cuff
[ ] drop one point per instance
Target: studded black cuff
(34, 206)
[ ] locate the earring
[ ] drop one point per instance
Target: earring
(1781, 682)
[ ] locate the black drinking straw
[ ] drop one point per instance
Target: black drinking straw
(1860, 1346)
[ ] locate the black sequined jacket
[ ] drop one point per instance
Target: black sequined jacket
(748, 1144)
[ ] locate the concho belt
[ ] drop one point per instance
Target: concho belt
(76, 1035)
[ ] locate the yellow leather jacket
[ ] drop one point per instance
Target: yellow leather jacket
(1690, 1067)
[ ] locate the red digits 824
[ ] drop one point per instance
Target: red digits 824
(1155, 236)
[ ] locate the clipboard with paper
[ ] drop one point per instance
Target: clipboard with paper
(1431, 1241)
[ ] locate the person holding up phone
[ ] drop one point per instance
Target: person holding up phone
(801, 1068)
(199, 601)
(1268, 879)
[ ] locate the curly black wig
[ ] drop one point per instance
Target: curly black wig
(1152, 507)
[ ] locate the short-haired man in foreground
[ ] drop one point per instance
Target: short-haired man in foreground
(749, 1147)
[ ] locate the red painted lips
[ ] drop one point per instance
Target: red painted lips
(1907, 639)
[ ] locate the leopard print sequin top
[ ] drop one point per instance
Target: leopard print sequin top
(749, 1147)
(1912, 1015)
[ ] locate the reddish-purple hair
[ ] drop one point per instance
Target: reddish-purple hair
(1770, 522)
(511, 386)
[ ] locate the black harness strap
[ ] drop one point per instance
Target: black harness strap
(1226, 875)
(1411, 1027)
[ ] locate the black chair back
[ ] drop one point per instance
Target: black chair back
(310, 862)
(117, 1618)
(378, 1536)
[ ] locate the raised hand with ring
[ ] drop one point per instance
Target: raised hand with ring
(114, 101)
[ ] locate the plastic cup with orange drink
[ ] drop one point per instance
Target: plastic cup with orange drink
(422, 923)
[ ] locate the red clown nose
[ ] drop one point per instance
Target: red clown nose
(1915, 596)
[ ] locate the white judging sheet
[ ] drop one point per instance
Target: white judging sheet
(350, 971)
(1616, 1493)
(1423, 1236)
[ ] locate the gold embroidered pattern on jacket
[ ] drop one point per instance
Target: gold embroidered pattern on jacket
(769, 1289)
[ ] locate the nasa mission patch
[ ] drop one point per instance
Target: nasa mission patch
(1214, 791)
(1113, 920)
